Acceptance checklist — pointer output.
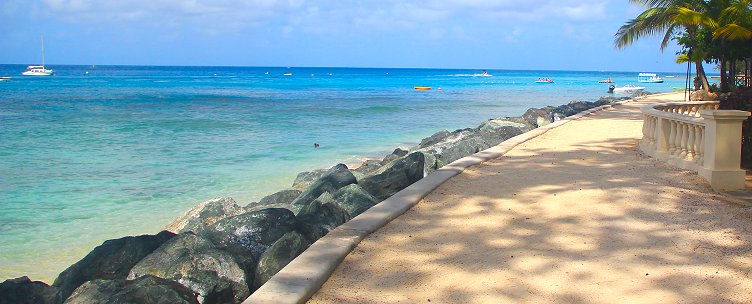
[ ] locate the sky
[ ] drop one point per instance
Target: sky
(472, 34)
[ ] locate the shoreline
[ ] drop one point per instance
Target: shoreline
(443, 146)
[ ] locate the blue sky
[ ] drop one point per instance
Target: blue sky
(482, 34)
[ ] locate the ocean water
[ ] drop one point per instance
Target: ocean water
(100, 152)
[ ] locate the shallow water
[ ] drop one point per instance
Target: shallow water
(96, 153)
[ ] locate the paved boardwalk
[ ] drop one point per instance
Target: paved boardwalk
(576, 215)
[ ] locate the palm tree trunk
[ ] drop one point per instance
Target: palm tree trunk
(701, 75)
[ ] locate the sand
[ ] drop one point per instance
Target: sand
(576, 215)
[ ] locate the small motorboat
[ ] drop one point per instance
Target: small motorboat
(485, 74)
(420, 88)
(287, 74)
(608, 80)
(628, 89)
(5, 78)
(544, 80)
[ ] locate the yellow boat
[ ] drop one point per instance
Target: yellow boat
(422, 88)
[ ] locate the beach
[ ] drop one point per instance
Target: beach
(96, 150)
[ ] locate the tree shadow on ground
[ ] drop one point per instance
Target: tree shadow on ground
(589, 222)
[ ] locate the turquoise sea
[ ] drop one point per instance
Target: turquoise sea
(100, 152)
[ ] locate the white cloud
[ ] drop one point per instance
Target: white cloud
(378, 13)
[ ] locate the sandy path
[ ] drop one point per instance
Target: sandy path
(576, 215)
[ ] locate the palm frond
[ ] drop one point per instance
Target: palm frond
(733, 32)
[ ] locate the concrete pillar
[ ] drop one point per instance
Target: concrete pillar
(723, 146)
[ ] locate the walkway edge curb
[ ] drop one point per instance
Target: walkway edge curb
(301, 279)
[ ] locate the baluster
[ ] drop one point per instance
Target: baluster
(699, 145)
(684, 138)
(653, 127)
(672, 137)
(677, 140)
(690, 142)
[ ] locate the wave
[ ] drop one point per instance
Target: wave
(469, 75)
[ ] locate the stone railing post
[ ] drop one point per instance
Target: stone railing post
(662, 134)
(722, 153)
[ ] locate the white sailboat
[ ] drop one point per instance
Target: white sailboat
(38, 70)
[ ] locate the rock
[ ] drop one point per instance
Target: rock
(111, 260)
(495, 131)
(147, 290)
(23, 291)
(537, 117)
(435, 138)
(194, 262)
(703, 95)
(305, 179)
(432, 163)
(281, 199)
(281, 253)
(394, 176)
(394, 155)
(355, 200)
(367, 166)
(205, 214)
(248, 235)
(321, 216)
(337, 177)
(459, 144)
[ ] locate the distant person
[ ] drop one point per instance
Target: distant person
(315, 145)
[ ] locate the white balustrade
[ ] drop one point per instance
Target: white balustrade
(696, 136)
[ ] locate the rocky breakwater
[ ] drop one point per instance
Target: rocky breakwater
(220, 251)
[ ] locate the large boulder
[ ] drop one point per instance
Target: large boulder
(458, 144)
(111, 260)
(194, 262)
(335, 178)
(281, 253)
(248, 235)
(432, 163)
(537, 117)
(23, 291)
(367, 166)
(205, 214)
(144, 290)
(399, 152)
(703, 95)
(281, 199)
(435, 138)
(321, 216)
(305, 179)
(394, 176)
(354, 199)
(467, 144)
(495, 131)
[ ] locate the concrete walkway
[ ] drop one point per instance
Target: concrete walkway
(576, 215)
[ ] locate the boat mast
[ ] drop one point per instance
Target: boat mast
(42, 38)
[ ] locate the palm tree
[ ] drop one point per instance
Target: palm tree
(735, 20)
(669, 17)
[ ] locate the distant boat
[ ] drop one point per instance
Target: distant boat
(544, 80)
(608, 80)
(649, 78)
(4, 78)
(419, 88)
(287, 74)
(485, 74)
(628, 89)
(38, 70)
